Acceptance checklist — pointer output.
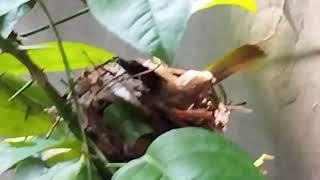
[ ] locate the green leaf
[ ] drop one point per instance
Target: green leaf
(23, 116)
(152, 26)
(79, 55)
(13, 152)
(8, 5)
(9, 20)
(71, 172)
(67, 150)
(35, 169)
(128, 121)
(191, 153)
(30, 169)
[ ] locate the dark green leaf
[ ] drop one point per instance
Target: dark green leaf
(24, 115)
(8, 5)
(9, 20)
(191, 153)
(13, 152)
(30, 169)
(48, 57)
(126, 120)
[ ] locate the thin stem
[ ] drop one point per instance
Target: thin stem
(71, 86)
(60, 45)
(28, 84)
(42, 28)
(53, 127)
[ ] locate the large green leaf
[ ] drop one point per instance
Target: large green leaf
(152, 26)
(126, 120)
(9, 20)
(191, 153)
(8, 5)
(23, 115)
(13, 152)
(79, 55)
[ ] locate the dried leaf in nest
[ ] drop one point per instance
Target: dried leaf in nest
(168, 97)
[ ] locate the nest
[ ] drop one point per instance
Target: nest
(167, 97)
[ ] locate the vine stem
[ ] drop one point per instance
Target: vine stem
(71, 85)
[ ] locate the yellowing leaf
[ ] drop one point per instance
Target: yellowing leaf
(80, 55)
(204, 4)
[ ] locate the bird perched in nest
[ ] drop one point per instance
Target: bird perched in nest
(168, 97)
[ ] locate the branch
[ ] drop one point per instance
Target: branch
(41, 78)
(39, 29)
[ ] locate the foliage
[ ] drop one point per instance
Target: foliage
(154, 28)
(47, 56)
(25, 109)
(9, 20)
(208, 156)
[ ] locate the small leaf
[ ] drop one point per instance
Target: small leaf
(80, 55)
(155, 27)
(14, 121)
(191, 153)
(12, 153)
(8, 5)
(9, 20)
(71, 172)
(126, 120)
(36, 170)
(30, 169)
(67, 150)
(250, 5)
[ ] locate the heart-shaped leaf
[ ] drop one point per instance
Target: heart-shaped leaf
(9, 20)
(80, 55)
(23, 116)
(191, 153)
(152, 26)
